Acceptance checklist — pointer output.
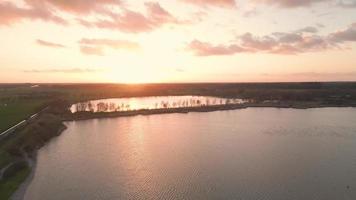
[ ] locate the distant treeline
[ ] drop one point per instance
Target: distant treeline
(313, 91)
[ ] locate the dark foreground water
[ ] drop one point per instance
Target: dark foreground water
(255, 153)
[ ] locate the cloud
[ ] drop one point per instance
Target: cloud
(76, 6)
(97, 46)
(347, 3)
(206, 49)
(319, 25)
(253, 42)
(346, 35)
(134, 22)
(216, 3)
(115, 44)
(308, 29)
(306, 3)
(295, 42)
(49, 44)
(283, 43)
(92, 50)
(105, 14)
(289, 3)
(47, 10)
(158, 15)
(10, 13)
(71, 70)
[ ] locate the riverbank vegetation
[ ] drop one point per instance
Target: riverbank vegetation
(9, 185)
(18, 150)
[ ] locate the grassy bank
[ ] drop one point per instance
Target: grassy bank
(9, 186)
(5, 158)
(17, 149)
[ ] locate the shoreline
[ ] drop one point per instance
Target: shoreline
(19, 194)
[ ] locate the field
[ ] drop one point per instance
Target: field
(19, 101)
(16, 111)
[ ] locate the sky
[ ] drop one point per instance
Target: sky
(131, 41)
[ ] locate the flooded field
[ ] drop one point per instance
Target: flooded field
(138, 103)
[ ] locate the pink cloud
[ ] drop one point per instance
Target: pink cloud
(121, 19)
(45, 9)
(129, 21)
(207, 49)
(134, 22)
(159, 15)
(217, 3)
(75, 6)
(289, 3)
(10, 13)
(277, 43)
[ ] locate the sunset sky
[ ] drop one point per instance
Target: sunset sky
(131, 41)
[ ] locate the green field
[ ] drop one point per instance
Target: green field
(16, 111)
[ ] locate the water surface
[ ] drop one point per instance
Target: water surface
(254, 153)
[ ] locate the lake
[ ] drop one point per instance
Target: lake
(149, 103)
(253, 153)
